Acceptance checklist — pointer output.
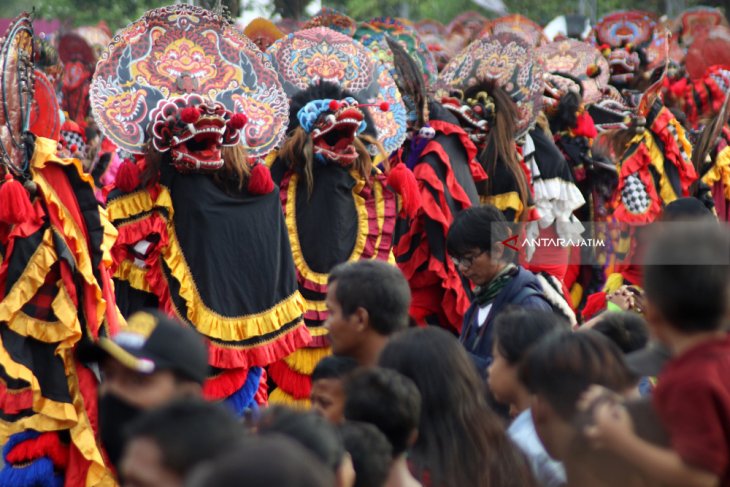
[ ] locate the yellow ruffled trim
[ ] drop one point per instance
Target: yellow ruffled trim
(50, 415)
(320, 305)
(665, 190)
(613, 282)
(720, 172)
(505, 201)
(317, 331)
(135, 276)
(70, 229)
(207, 321)
(133, 204)
(304, 360)
(214, 325)
(282, 398)
(290, 215)
(33, 277)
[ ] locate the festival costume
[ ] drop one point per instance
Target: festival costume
(56, 291)
(78, 66)
(623, 37)
(263, 33)
(522, 78)
(191, 240)
(443, 161)
(519, 25)
(577, 78)
(337, 209)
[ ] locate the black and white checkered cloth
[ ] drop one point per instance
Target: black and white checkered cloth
(72, 138)
(634, 195)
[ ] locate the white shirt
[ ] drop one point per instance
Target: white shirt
(548, 472)
(482, 314)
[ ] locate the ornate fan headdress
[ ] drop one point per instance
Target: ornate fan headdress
(16, 86)
(506, 61)
(517, 24)
(318, 55)
(332, 19)
(623, 38)
(579, 60)
(190, 79)
(374, 35)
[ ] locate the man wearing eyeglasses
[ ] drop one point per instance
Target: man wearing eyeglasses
(475, 245)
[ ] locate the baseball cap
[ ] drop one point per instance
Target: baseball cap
(152, 341)
(649, 361)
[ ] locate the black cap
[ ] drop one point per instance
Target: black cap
(152, 341)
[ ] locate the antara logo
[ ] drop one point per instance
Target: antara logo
(512, 242)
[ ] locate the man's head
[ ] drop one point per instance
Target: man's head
(312, 432)
(148, 363)
(165, 444)
(686, 278)
(474, 243)
(626, 329)
(365, 299)
(328, 390)
(370, 451)
(388, 400)
(516, 331)
(558, 370)
(264, 462)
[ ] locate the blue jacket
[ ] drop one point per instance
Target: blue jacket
(523, 290)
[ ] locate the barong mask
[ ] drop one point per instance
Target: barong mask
(333, 126)
(194, 131)
(476, 115)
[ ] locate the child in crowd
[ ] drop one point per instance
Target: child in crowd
(391, 402)
(515, 332)
(687, 277)
(328, 392)
(557, 371)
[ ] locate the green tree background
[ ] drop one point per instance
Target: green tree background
(118, 13)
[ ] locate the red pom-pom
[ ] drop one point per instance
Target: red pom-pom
(334, 105)
(384, 106)
(260, 181)
(190, 114)
(15, 206)
(402, 180)
(238, 121)
(128, 177)
(584, 126)
(73, 148)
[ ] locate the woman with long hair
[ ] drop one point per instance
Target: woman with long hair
(461, 441)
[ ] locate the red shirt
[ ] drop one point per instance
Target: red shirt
(692, 400)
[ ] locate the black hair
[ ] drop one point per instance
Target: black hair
(370, 452)
(563, 365)
(188, 432)
(388, 400)
(477, 227)
(264, 462)
(379, 288)
(626, 329)
(454, 413)
(334, 367)
(687, 274)
(310, 430)
(686, 209)
(517, 329)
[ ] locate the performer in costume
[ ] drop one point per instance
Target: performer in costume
(56, 291)
(201, 234)
(475, 84)
(262, 32)
(443, 160)
(654, 169)
(78, 66)
(346, 113)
